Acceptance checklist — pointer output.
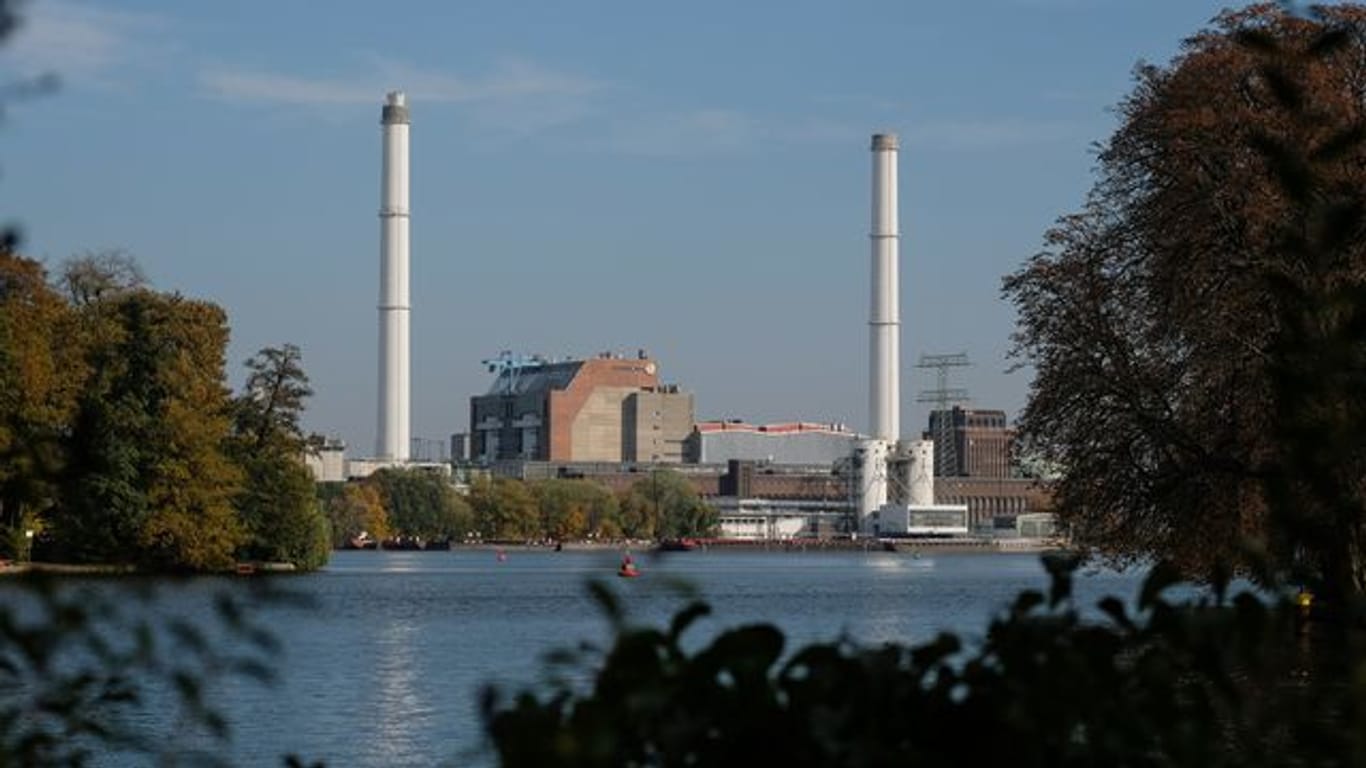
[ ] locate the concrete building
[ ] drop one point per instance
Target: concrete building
(327, 462)
(970, 443)
(603, 409)
(717, 442)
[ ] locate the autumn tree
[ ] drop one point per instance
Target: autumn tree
(277, 505)
(357, 510)
(40, 378)
(146, 480)
(665, 505)
(504, 509)
(574, 508)
(1197, 328)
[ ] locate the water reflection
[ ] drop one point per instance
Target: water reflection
(402, 716)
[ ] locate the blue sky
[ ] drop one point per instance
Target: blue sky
(688, 178)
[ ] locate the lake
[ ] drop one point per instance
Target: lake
(382, 667)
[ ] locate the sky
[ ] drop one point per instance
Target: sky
(691, 179)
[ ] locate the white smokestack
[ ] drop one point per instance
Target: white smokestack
(884, 323)
(392, 438)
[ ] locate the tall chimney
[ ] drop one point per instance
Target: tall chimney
(392, 437)
(884, 323)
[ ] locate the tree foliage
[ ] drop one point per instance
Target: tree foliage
(357, 510)
(1212, 683)
(575, 509)
(665, 505)
(277, 504)
(421, 504)
(40, 376)
(146, 479)
(505, 509)
(1197, 330)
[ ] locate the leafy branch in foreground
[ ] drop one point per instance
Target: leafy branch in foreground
(82, 662)
(1215, 682)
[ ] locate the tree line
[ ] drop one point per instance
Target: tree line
(418, 504)
(120, 441)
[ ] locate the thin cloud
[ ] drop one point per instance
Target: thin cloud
(994, 133)
(515, 97)
(510, 80)
(77, 41)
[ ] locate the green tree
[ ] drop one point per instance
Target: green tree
(505, 509)
(1197, 330)
(146, 479)
(40, 380)
(278, 504)
(665, 505)
(573, 508)
(422, 504)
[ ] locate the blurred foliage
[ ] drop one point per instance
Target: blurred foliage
(82, 663)
(1213, 682)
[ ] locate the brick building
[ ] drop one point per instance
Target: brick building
(603, 409)
(970, 443)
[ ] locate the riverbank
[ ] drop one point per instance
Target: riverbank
(904, 545)
(8, 568)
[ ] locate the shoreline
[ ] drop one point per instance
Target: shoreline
(903, 546)
(909, 547)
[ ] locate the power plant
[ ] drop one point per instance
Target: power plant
(894, 478)
(608, 416)
(392, 436)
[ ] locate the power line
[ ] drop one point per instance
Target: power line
(944, 398)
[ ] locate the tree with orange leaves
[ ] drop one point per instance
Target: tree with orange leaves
(1198, 330)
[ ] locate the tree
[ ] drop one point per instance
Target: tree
(40, 380)
(278, 505)
(422, 504)
(90, 277)
(504, 509)
(146, 480)
(1196, 330)
(665, 505)
(572, 509)
(357, 510)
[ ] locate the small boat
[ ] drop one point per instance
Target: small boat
(677, 545)
(502, 556)
(628, 568)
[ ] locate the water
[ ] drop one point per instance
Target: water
(383, 668)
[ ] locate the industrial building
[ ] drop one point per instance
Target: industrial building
(802, 442)
(327, 461)
(604, 409)
(970, 442)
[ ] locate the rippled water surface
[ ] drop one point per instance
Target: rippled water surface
(383, 668)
